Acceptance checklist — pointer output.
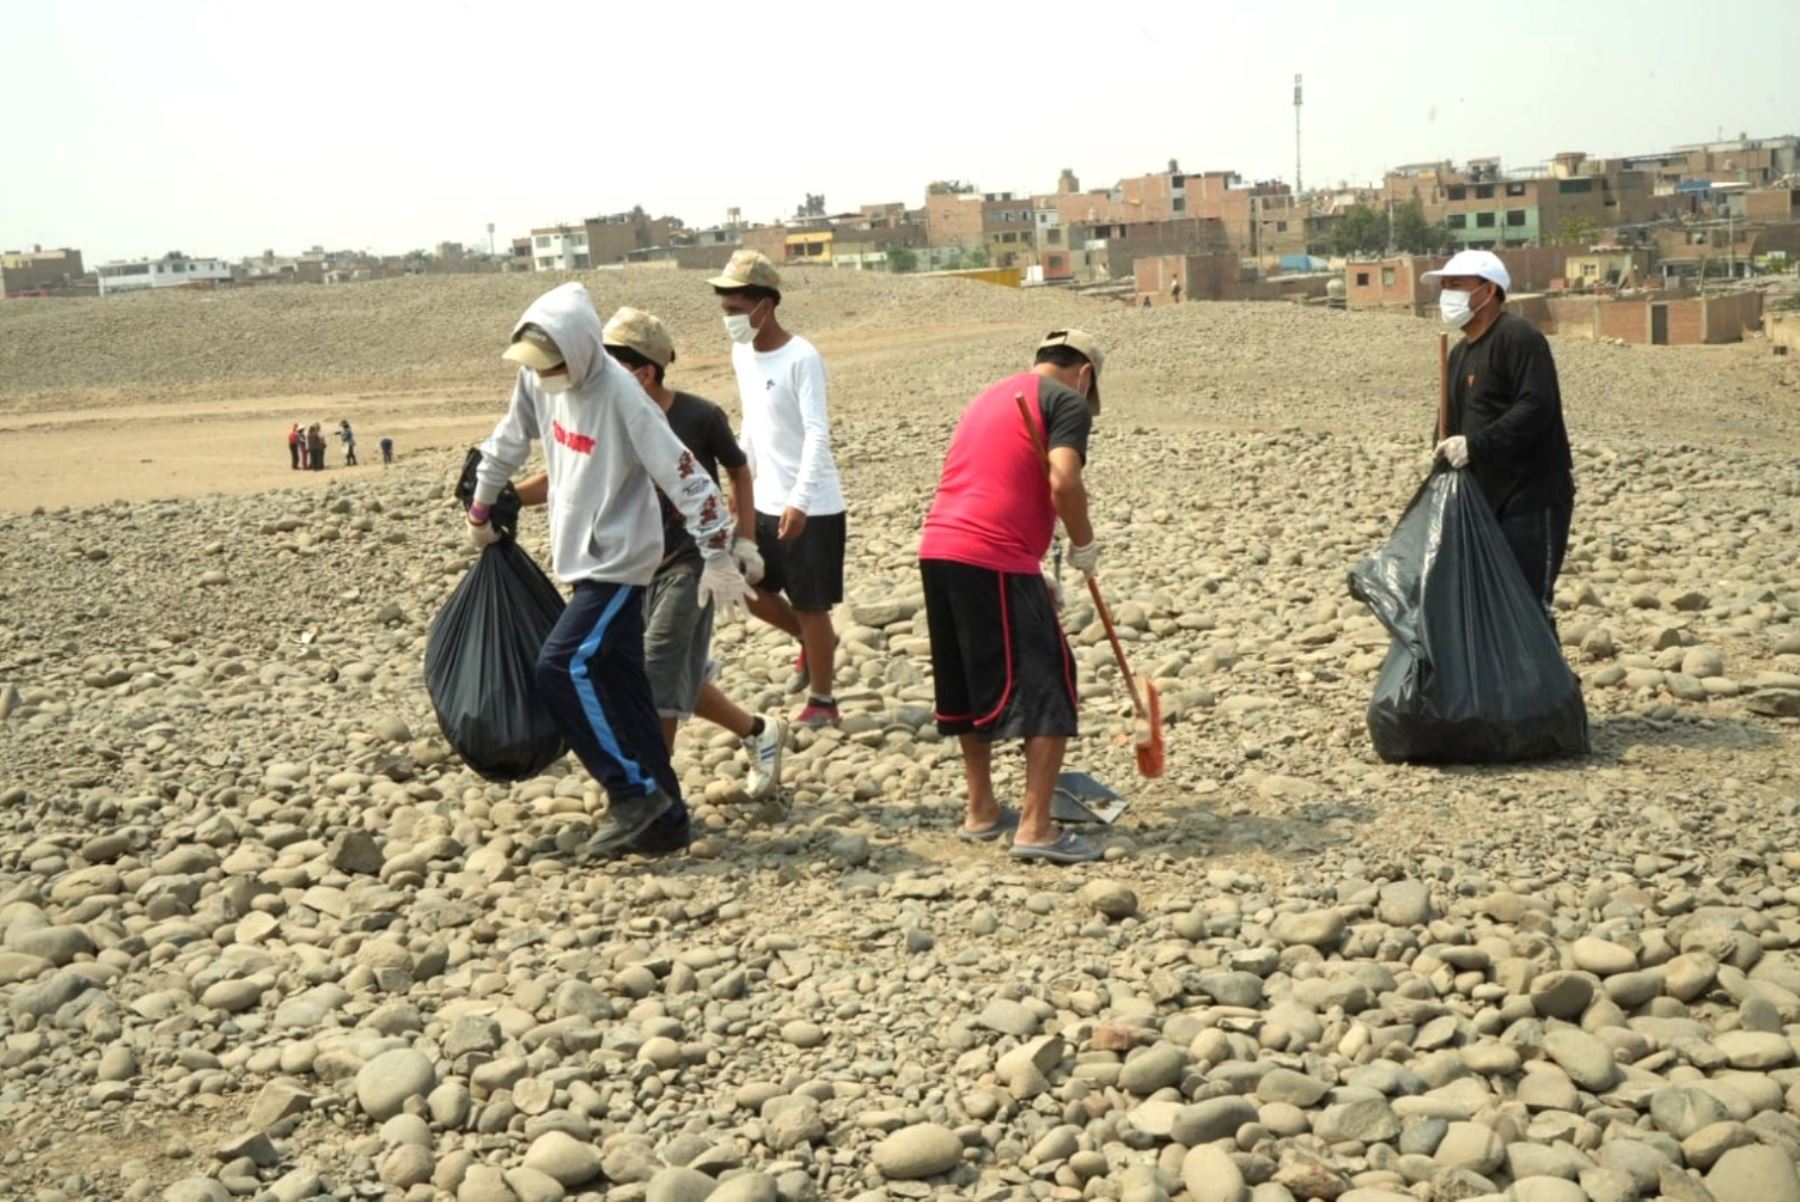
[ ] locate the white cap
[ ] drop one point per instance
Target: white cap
(1484, 264)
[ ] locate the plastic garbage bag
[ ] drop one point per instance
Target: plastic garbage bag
(1475, 674)
(480, 665)
(503, 514)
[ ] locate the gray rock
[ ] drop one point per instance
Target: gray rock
(385, 1084)
(1681, 1111)
(1365, 1120)
(529, 1185)
(1210, 1175)
(1588, 1061)
(1563, 995)
(406, 1166)
(1214, 1118)
(679, 1185)
(921, 1150)
(790, 1120)
(746, 1187)
(196, 1189)
(1546, 1189)
(484, 1183)
(1754, 1049)
(1110, 898)
(1286, 1085)
(1471, 1146)
(561, 1156)
(1312, 928)
(1009, 1018)
(1755, 1174)
(1406, 904)
(1154, 1068)
(278, 1100)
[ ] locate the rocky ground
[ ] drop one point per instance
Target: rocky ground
(262, 936)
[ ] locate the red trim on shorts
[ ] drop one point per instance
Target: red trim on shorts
(1006, 641)
(1068, 657)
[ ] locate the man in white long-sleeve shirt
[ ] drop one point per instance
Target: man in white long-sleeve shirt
(800, 523)
(605, 442)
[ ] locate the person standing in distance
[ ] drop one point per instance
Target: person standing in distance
(800, 520)
(1506, 418)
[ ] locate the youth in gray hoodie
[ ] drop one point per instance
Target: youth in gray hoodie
(605, 441)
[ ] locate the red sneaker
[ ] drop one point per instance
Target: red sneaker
(817, 715)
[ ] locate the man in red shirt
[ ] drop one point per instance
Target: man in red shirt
(1001, 665)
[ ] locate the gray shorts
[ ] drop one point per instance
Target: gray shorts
(677, 640)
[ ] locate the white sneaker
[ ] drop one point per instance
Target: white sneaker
(764, 776)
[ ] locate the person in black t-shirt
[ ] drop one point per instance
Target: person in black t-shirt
(677, 629)
(1506, 419)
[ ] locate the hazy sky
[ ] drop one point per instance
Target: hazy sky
(221, 129)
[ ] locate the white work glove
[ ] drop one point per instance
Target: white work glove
(722, 584)
(749, 560)
(1085, 560)
(1455, 451)
(481, 531)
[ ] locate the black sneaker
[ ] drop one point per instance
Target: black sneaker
(665, 839)
(624, 822)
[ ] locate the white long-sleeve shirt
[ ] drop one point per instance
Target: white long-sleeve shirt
(787, 431)
(605, 441)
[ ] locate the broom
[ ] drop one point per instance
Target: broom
(1146, 700)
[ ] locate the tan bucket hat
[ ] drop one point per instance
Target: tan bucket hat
(748, 269)
(639, 331)
(535, 349)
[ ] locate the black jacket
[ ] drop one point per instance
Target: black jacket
(1505, 400)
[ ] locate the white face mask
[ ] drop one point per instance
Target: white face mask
(1453, 307)
(555, 384)
(738, 326)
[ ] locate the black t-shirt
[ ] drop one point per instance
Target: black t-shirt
(1505, 400)
(1066, 416)
(705, 430)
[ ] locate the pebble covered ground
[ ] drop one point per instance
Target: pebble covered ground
(262, 936)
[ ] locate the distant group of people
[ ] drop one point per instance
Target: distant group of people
(306, 446)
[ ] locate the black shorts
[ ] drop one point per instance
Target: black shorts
(999, 661)
(809, 569)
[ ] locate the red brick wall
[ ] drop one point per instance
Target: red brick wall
(1629, 320)
(1687, 322)
(1573, 315)
(1727, 318)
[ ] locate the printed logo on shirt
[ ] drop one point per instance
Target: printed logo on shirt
(709, 512)
(581, 444)
(769, 385)
(684, 467)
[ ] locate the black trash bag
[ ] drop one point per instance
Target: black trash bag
(480, 666)
(503, 514)
(1475, 674)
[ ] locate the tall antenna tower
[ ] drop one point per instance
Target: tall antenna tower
(1297, 186)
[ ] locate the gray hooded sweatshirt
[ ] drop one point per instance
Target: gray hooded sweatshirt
(605, 442)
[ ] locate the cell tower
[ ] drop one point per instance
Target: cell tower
(1297, 187)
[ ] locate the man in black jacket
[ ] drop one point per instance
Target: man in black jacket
(1506, 420)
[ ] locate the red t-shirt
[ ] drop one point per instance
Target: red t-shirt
(993, 507)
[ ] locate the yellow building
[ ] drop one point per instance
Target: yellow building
(809, 246)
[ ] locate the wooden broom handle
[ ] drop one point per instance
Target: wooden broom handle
(1443, 387)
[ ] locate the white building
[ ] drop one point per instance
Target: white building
(560, 248)
(169, 271)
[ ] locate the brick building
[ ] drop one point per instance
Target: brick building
(1218, 277)
(37, 268)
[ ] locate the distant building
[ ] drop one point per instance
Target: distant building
(37, 268)
(173, 270)
(597, 241)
